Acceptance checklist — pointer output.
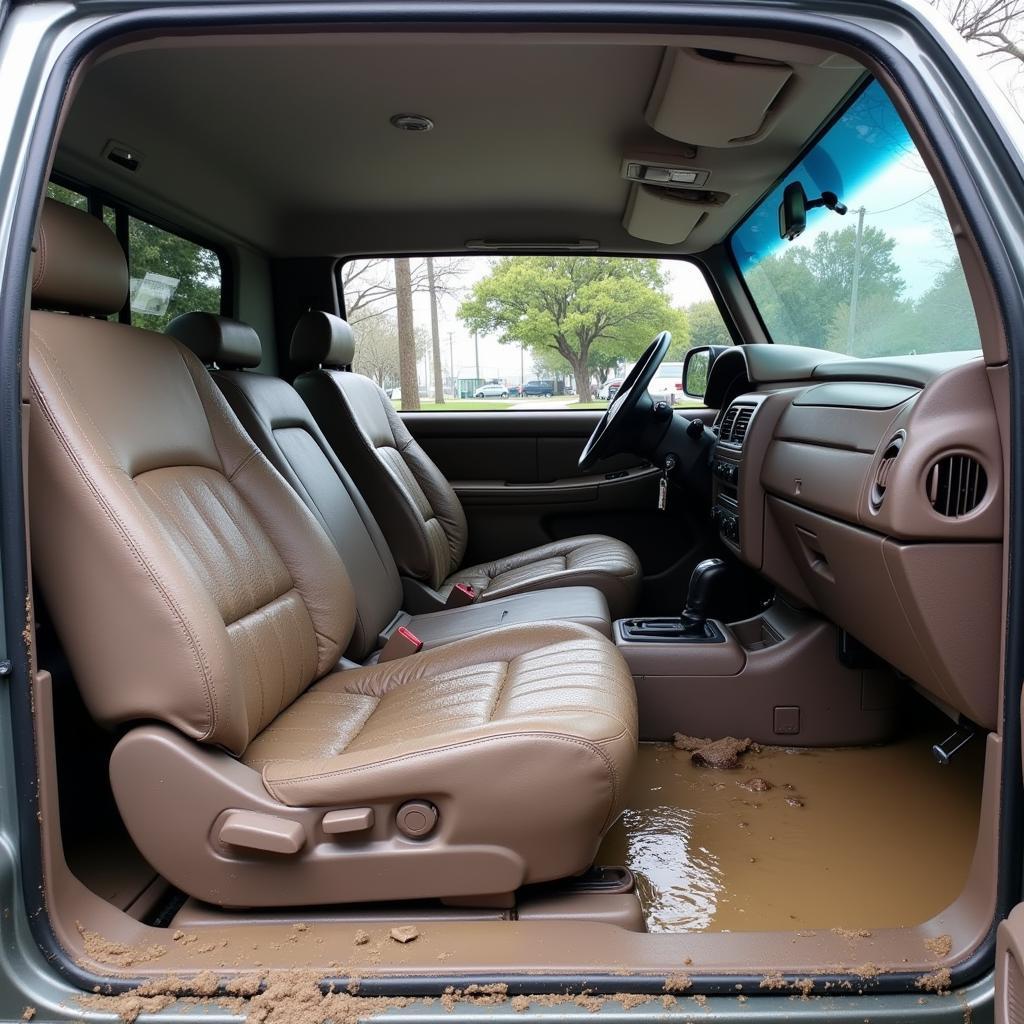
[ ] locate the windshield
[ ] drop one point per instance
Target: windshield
(885, 278)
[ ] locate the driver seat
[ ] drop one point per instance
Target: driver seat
(419, 512)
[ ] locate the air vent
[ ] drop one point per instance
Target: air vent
(739, 428)
(725, 430)
(956, 484)
(735, 423)
(892, 449)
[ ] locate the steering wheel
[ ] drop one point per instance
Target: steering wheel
(629, 411)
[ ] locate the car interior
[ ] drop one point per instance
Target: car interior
(655, 693)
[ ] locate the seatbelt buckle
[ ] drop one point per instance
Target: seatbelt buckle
(401, 644)
(461, 595)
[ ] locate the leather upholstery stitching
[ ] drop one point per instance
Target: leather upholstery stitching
(198, 653)
(340, 773)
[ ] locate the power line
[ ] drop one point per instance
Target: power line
(906, 202)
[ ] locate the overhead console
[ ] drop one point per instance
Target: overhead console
(880, 504)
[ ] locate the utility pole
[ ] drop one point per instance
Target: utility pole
(435, 339)
(476, 352)
(522, 366)
(855, 286)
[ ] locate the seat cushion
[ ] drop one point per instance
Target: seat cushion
(522, 739)
(590, 561)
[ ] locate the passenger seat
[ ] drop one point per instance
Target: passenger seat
(203, 610)
(417, 508)
(281, 424)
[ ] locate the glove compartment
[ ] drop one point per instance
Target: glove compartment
(931, 609)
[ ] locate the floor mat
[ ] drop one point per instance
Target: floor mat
(799, 838)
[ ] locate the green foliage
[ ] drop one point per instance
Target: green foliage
(945, 315)
(591, 311)
(804, 295)
(799, 291)
(197, 270)
(67, 196)
(706, 324)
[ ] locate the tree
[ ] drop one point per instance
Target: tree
(945, 318)
(196, 269)
(580, 307)
(800, 290)
(995, 25)
(435, 336)
(885, 326)
(994, 29)
(368, 285)
(377, 350)
(406, 336)
(706, 324)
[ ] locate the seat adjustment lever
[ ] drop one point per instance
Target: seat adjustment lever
(254, 831)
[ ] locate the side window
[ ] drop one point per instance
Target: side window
(169, 275)
(68, 196)
(511, 333)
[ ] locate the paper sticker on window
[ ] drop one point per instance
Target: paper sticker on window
(153, 293)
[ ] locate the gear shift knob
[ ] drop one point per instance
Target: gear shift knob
(698, 596)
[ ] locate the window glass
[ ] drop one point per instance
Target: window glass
(885, 278)
(68, 196)
(522, 332)
(169, 275)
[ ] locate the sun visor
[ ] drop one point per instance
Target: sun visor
(662, 215)
(715, 100)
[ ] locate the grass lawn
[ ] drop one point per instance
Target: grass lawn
(460, 405)
(557, 403)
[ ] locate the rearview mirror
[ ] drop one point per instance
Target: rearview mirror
(793, 211)
(696, 364)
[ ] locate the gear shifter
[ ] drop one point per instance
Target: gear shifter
(698, 596)
(693, 625)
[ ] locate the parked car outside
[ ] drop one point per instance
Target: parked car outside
(491, 391)
(609, 388)
(667, 385)
(539, 388)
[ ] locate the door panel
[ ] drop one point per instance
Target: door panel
(516, 474)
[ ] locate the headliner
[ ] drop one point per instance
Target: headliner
(283, 141)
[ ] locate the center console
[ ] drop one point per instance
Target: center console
(726, 469)
(774, 678)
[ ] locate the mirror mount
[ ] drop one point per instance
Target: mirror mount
(794, 206)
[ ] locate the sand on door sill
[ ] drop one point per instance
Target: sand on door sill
(858, 837)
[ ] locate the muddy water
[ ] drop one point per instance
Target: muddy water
(852, 838)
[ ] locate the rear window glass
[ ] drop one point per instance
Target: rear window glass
(169, 275)
(68, 196)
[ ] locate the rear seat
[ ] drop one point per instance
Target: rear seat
(280, 423)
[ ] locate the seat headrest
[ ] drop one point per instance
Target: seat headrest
(217, 339)
(322, 339)
(78, 265)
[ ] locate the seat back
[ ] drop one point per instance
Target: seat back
(419, 512)
(281, 424)
(188, 582)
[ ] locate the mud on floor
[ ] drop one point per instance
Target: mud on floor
(868, 837)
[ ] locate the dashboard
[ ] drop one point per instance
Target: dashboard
(872, 491)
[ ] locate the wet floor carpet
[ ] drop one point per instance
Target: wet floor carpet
(798, 838)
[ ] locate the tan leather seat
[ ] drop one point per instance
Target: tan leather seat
(416, 507)
(203, 609)
(281, 424)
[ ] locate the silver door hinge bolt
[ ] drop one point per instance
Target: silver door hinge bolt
(6, 668)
